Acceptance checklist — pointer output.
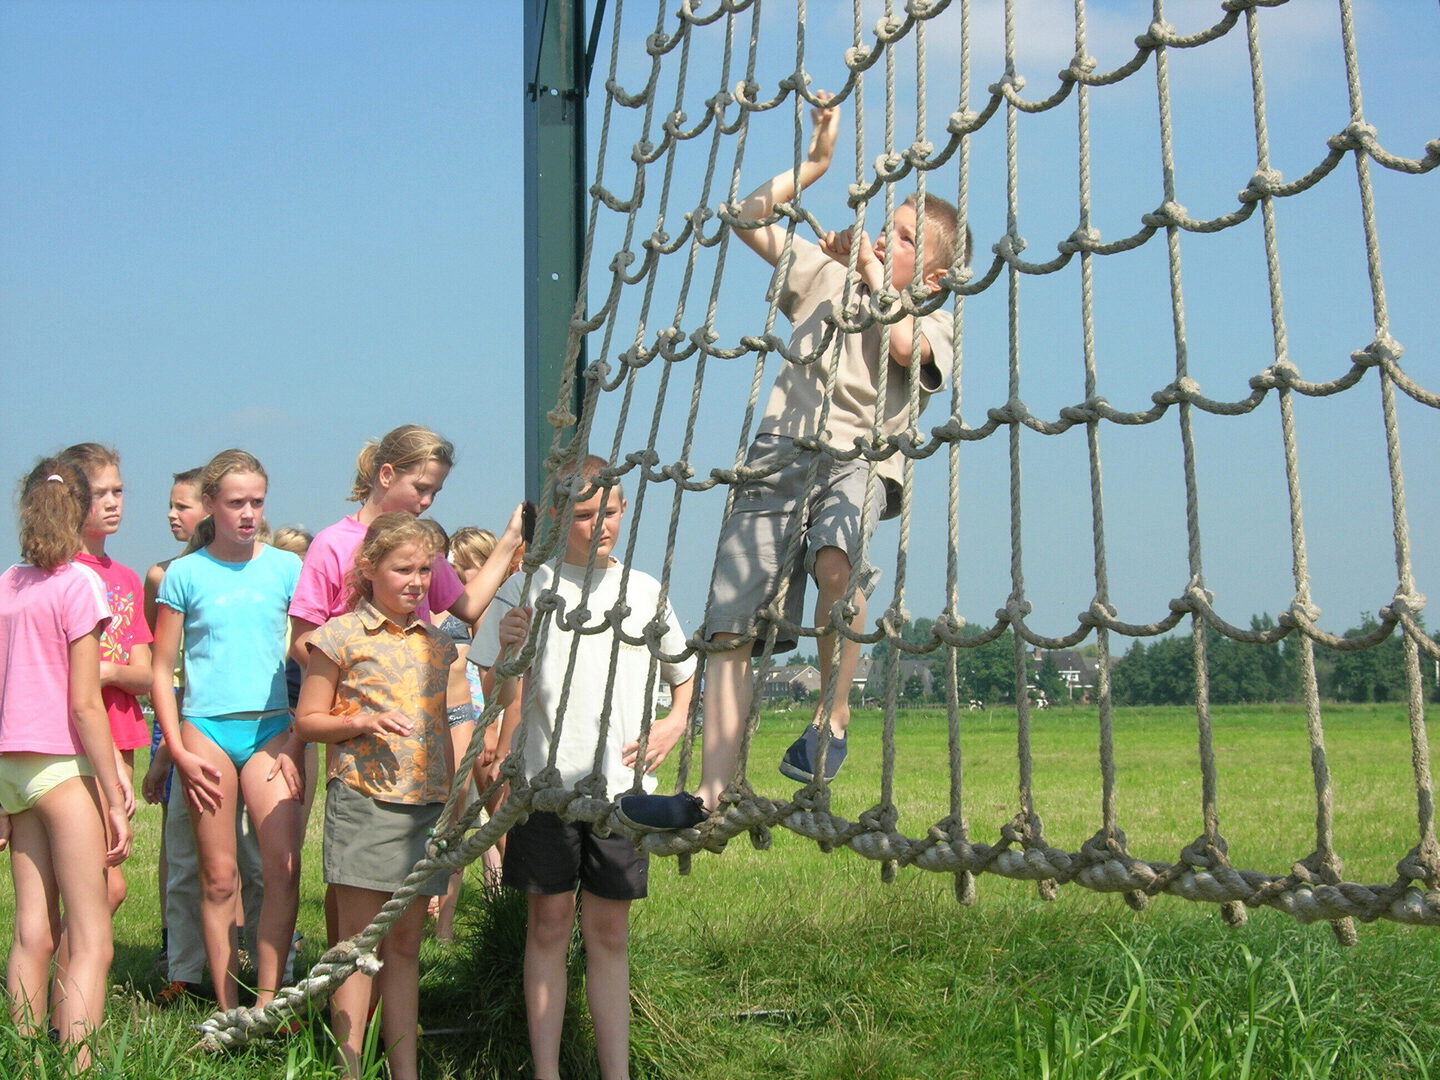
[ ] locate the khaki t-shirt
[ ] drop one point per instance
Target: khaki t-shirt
(812, 292)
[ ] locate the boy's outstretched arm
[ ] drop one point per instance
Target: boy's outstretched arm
(768, 241)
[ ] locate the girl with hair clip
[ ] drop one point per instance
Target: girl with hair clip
(375, 690)
(61, 792)
(125, 644)
(403, 472)
(227, 600)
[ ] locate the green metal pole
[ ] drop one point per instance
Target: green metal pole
(554, 212)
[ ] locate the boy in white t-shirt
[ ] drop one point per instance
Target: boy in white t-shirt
(549, 858)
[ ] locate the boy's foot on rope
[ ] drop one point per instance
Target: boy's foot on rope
(660, 813)
(797, 764)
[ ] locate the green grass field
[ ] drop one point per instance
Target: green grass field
(792, 963)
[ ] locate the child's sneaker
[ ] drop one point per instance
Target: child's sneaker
(796, 764)
(660, 813)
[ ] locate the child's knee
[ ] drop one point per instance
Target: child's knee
(220, 886)
(606, 927)
(832, 570)
(550, 922)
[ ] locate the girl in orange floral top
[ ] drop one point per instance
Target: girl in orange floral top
(375, 688)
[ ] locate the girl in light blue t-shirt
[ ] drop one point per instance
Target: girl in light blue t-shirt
(228, 601)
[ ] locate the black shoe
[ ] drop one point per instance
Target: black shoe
(660, 813)
(798, 762)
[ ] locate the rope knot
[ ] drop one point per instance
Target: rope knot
(1085, 238)
(745, 92)
(1182, 389)
(1080, 66)
(963, 123)
(1380, 352)
(1404, 603)
(1009, 246)
(1099, 614)
(857, 57)
(1015, 610)
(1357, 136)
(1159, 33)
(1012, 412)
(658, 43)
(1087, 412)
(1167, 214)
(1262, 185)
(889, 166)
(1009, 85)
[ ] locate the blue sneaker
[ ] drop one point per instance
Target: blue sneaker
(660, 813)
(797, 762)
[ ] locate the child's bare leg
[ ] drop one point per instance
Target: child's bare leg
(605, 928)
(548, 926)
(37, 922)
(276, 815)
(219, 871)
(832, 575)
(727, 705)
(59, 858)
(350, 1004)
(398, 989)
(116, 889)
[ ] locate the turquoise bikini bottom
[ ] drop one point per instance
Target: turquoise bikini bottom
(241, 735)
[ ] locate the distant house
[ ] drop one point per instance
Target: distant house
(793, 683)
(1078, 672)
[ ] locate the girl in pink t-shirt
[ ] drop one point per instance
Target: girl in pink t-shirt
(63, 828)
(125, 644)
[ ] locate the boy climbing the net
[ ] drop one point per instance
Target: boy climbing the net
(817, 293)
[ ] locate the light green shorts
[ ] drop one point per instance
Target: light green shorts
(25, 778)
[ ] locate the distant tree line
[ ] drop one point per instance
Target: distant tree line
(1155, 672)
(1162, 672)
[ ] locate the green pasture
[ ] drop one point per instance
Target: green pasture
(792, 963)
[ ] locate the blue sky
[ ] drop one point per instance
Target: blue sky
(293, 226)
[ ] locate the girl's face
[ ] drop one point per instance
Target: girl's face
(107, 502)
(237, 508)
(400, 581)
(412, 491)
(185, 511)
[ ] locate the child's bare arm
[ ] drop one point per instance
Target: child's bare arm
(513, 630)
(768, 241)
(93, 726)
(133, 676)
(470, 607)
(871, 271)
(314, 721)
(664, 734)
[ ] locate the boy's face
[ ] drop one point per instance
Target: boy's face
(598, 514)
(185, 511)
(897, 247)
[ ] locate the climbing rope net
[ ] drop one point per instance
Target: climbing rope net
(649, 147)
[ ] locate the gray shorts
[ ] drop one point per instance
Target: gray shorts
(374, 845)
(748, 569)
